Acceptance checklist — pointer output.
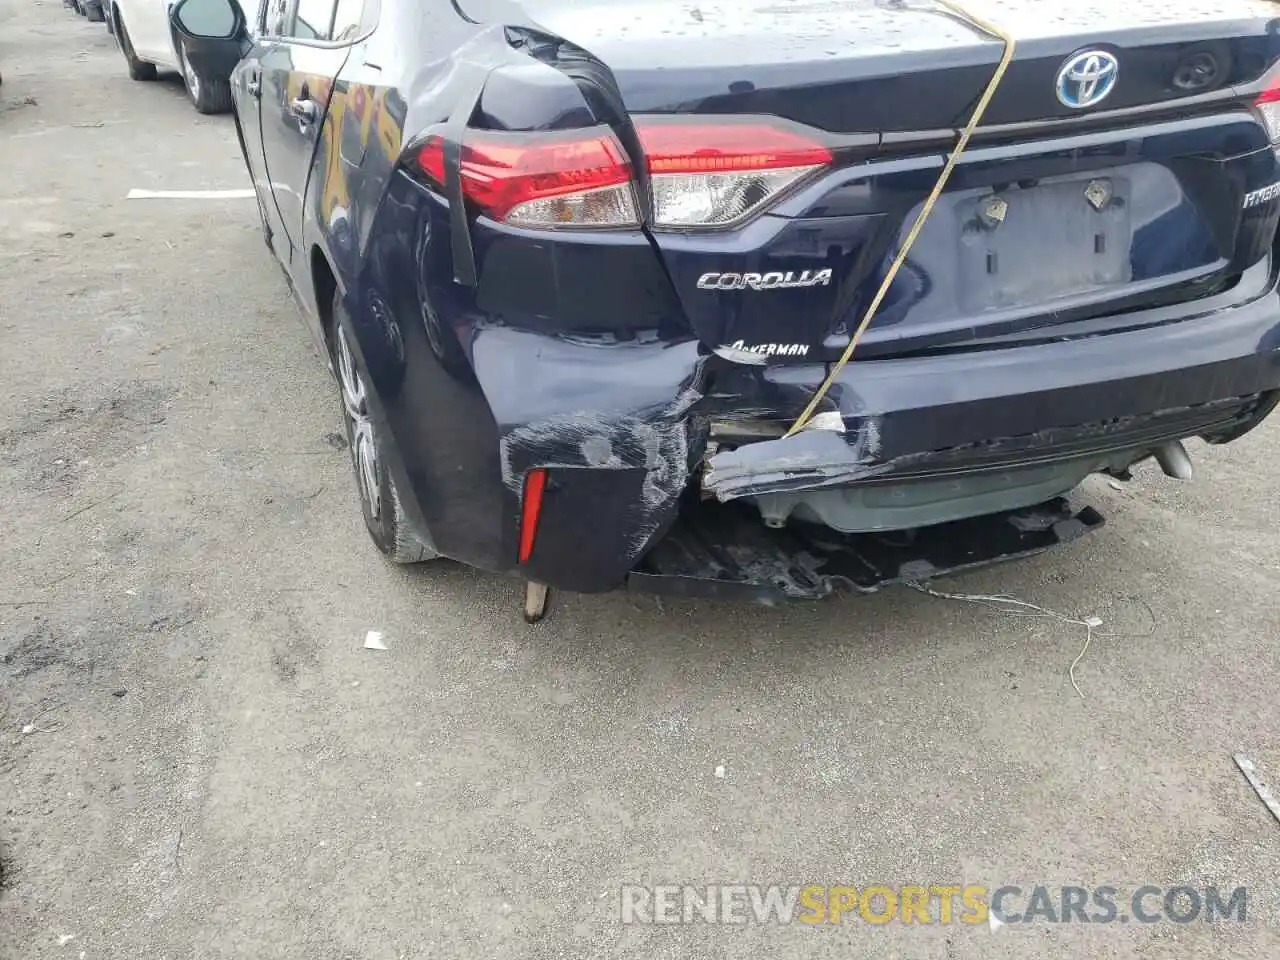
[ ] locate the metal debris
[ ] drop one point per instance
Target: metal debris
(1259, 787)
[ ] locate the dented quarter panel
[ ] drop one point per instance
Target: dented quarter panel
(549, 360)
(611, 419)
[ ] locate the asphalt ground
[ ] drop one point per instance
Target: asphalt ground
(214, 766)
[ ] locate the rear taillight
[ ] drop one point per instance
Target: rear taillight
(579, 179)
(1268, 107)
(702, 174)
(714, 174)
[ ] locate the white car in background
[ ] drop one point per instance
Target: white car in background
(149, 44)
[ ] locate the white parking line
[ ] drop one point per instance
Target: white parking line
(136, 194)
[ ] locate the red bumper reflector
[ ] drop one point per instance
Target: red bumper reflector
(535, 484)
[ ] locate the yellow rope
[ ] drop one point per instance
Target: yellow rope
(990, 29)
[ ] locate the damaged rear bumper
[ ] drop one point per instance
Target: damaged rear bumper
(725, 552)
(1214, 376)
(623, 429)
(1106, 400)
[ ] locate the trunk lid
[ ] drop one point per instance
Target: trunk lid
(1054, 215)
(880, 66)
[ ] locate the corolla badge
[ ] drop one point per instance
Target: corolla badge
(764, 281)
(1087, 79)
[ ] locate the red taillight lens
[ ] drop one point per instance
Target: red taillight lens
(582, 178)
(703, 173)
(701, 148)
(715, 174)
(535, 485)
(1268, 107)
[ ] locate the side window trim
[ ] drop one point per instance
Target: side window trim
(371, 15)
(367, 27)
(274, 30)
(325, 28)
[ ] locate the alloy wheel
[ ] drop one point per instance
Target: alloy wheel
(364, 451)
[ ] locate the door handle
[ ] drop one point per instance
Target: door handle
(304, 110)
(254, 87)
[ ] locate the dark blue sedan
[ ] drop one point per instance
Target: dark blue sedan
(689, 298)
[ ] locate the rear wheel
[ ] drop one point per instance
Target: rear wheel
(138, 70)
(379, 499)
(209, 95)
(94, 13)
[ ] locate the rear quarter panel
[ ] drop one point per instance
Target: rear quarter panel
(475, 384)
(148, 24)
(339, 193)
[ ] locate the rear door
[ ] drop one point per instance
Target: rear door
(246, 80)
(298, 73)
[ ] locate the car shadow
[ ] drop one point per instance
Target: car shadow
(891, 624)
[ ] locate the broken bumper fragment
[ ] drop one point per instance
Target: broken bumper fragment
(723, 551)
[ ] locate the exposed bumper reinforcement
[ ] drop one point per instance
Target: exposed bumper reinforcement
(814, 459)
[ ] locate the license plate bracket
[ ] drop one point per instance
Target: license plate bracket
(1034, 244)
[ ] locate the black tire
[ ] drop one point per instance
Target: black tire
(210, 96)
(95, 14)
(138, 70)
(385, 520)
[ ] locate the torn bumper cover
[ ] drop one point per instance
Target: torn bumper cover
(819, 459)
(968, 412)
(810, 460)
(624, 432)
(1109, 399)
